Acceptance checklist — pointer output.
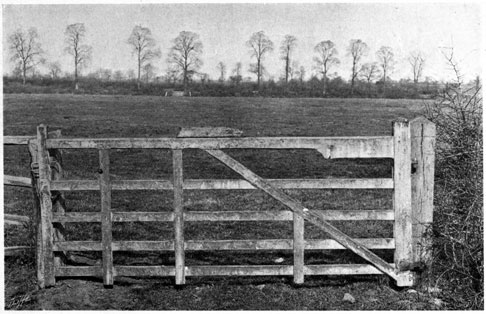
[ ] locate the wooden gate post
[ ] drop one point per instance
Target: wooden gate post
(402, 195)
(46, 256)
(423, 158)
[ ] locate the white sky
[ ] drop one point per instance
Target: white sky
(224, 29)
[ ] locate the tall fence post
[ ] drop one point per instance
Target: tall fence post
(423, 157)
(178, 217)
(45, 243)
(36, 214)
(402, 194)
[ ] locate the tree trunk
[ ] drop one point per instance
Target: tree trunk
(287, 61)
(258, 72)
(24, 72)
(76, 75)
(139, 66)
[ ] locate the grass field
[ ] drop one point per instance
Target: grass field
(131, 116)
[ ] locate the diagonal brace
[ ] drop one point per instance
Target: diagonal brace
(300, 210)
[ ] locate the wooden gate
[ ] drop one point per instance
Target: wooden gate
(411, 147)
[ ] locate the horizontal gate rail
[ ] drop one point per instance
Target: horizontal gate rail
(224, 184)
(330, 147)
(223, 270)
(221, 245)
(275, 215)
(17, 181)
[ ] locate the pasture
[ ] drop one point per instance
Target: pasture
(143, 116)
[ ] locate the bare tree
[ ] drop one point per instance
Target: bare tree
(185, 55)
(237, 78)
(386, 60)
(369, 72)
(26, 50)
(417, 61)
(260, 45)
(326, 58)
(143, 46)
(357, 49)
(222, 71)
(55, 69)
(286, 48)
(75, 34)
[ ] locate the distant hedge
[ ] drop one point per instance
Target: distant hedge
(312, 88)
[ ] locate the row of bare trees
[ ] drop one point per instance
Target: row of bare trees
(184, 57)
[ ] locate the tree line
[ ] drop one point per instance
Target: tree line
(184, 60)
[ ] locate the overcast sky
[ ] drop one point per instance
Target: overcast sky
(224, 29)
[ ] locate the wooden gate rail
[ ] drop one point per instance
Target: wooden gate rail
(411, 147)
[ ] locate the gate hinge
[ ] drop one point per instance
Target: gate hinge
(34, 168)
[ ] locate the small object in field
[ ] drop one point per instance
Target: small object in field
(349, 298)
(279, 260)
(260, 287)
(306, 209)
(411, 291)
(209, 132)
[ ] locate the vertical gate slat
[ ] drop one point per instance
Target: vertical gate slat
(106, 217)
(402, 194)
(298, 249)
(178, 217)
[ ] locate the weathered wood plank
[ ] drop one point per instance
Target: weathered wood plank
(145, 271)
(276, 215)
(46, 267)
(225, 184)
(209, 132)
(17, 140)
(233, 270)
(143, 246)
(382, 183)
(222, 245)
(333, 147)
(16, 250)
(143, 216)
(178, 216)
(423, 153)
(342, 269)
(17, 181)
(402, 195)
(17, 218)
(298, 208)
(298, 247)
(78, 246)
(223, 270)
(106, 224)
(286, 215)
(79, 271)
(36, 215)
